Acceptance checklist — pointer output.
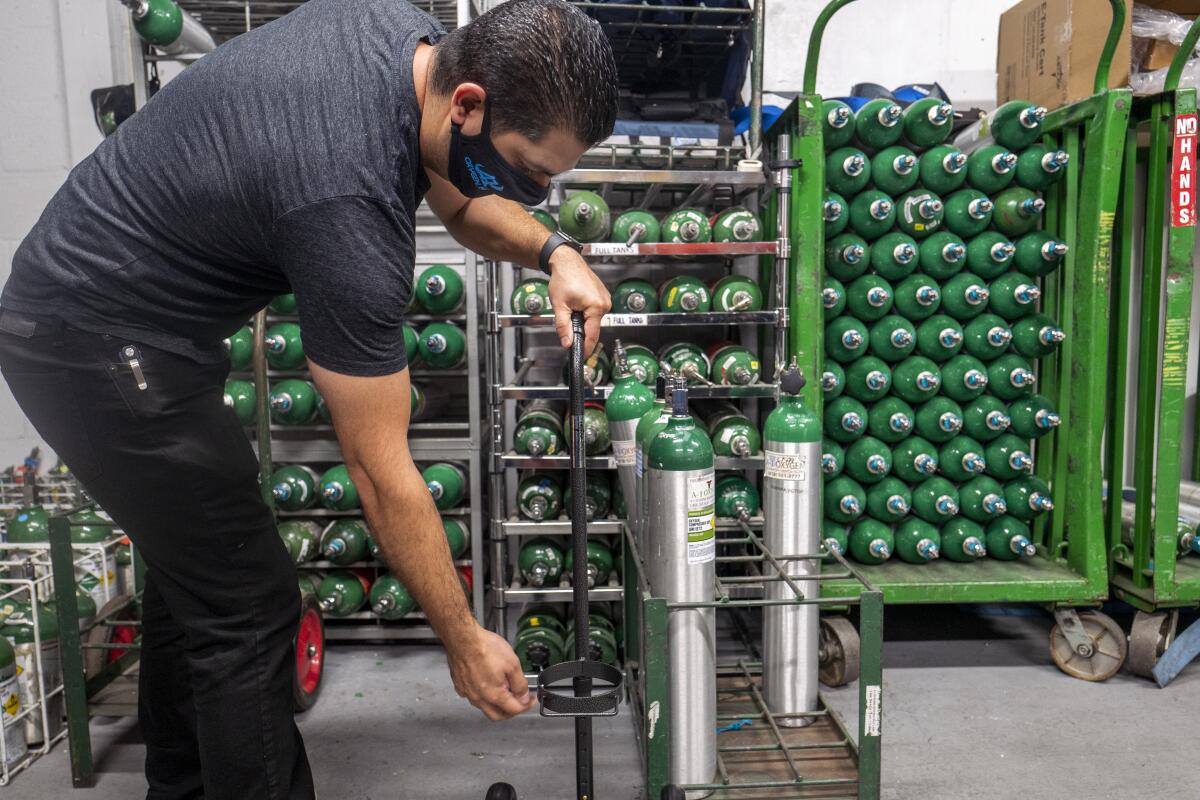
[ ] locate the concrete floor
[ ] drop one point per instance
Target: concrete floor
(973, 708)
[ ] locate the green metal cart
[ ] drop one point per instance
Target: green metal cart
(1148, 569)
(1070, 568)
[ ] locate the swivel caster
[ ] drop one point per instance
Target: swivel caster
(1087, 645)
(501, 791)
(838, 653)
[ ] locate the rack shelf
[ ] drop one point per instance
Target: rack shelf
(753, 390)
(693, 250)
(597, 176)
(514, 526)
(562, 594)
(777, 317)
(606, 461)
(460, 511)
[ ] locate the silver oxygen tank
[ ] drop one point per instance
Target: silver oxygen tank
(681, 486)
(791, 526)
(628, 402)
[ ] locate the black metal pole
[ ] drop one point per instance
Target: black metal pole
(583, 686)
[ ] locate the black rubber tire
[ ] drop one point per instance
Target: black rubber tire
(501, 791)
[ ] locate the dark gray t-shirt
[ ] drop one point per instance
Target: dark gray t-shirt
(285, 160)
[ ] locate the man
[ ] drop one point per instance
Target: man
(291, 158)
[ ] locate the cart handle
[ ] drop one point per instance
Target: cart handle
(1186, 48)
(1102, 68)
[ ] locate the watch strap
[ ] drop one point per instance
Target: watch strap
(557, 239)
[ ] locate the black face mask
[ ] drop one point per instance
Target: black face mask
(477, 169)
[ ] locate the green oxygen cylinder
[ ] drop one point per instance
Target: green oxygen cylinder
(647, 428)
(342, 592)
(968, 212)
(596, 438)
(916, 379)
(982, 499)
(597, 496)
(1011, 377)
(539, 496)
(990, 255)
(889, 500)
(635, 226)
(1036, 336)
(833, 380)
(891, 419)
(540, 562)
(868, 379)
(987, 337)
(736, 293)
(539, 430)
(894, 256)
(985, 418)
(1013, 295)
(636, 296)
(389, 599)
(1027, 497)
(732, 433)
(894, 170)
(1016, 124)
(685, 360)
(965, 296)
(917, 298)
(1039, 167)
(1008, 457)
(892, 338)
(1018, 211)
(736, 497)
(935, 500)
(1033, 416)
(285, 351)
(962, 458)
(942, 255)
(293, 402)
(599, 563)
(596, 369)
(440, 289)
(963, 540)
(684, 294)
(834, 539)
(846, 340)
(871, 541)
(240, 347)
(686, 226)
(585, 216)
(847, 171)
(427, 400)
(942, 169)
(442, 345)
(917, 542)
(283, 304)
(872, 214)
(845, 419)
(835, 213)
(733, 365)
(939, 420)
(602, 644)
(337, 490)
(642, 363)
(15, 747)
(538, 647)
(964, 378)
(294, 487)
(446, 482)
(1039, 253)
(845, 500)
(545, 217)
(168, 27)
(531, 296)
(919, 212)
(39, 669)
(411, 350)
(877, 124)
(939, 338)
(458, 538)
(868, 460)
(1008, 539)
(846, 256)
(991, 169)
(837, 123)
(627, 403)
(345, 542)
(833, 458)
(927, 122)
(240, 396)
(869, 297)
(914, 460)
(302, 539)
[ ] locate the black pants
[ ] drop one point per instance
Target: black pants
(175, 470)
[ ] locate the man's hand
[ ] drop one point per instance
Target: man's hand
(574, 287)
(488, 673)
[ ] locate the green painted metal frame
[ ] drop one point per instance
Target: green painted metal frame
(1147, 572)
(1069, 569)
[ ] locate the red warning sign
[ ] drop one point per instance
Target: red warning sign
(1183, 172)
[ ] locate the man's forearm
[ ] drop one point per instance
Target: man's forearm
(499, 229)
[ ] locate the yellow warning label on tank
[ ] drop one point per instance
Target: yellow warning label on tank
(11, 705)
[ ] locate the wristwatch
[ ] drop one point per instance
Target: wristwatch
(557, 239)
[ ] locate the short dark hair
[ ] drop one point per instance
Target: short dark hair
(543, 63)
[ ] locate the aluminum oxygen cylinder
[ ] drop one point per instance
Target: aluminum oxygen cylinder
(628, 401)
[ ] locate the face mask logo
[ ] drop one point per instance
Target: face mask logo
(468, 154)
(483, 180)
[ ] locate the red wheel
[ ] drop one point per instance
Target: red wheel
(310, 653)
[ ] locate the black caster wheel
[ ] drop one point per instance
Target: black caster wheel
(673, 793)
(501, 791)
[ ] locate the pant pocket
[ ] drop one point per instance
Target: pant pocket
(50, 403)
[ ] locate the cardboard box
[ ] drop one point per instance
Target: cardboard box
(1048, 50)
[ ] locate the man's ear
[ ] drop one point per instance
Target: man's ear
(467, 107)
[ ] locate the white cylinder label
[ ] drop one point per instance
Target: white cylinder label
(625, 452)
(701, 528)
(784, 466)
(10, 707)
